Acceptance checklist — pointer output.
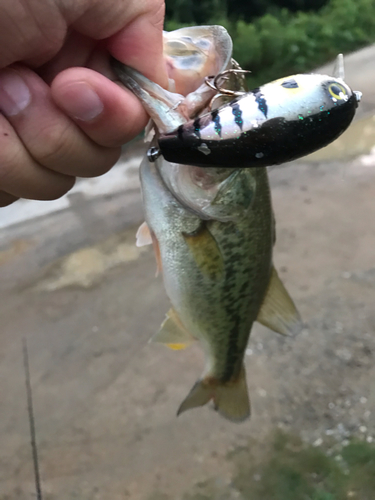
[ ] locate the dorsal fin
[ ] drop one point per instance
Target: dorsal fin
(278, 311)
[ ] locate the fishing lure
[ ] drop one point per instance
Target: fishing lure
(275, 123)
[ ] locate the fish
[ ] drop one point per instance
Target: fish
(213, 233)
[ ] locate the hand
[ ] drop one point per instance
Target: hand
(60, 116)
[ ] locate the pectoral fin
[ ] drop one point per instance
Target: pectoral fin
(159, 265)
(143, 236)
(172, 333)
(278, 311)
(206, 253)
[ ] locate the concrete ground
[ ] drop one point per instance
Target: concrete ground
(85, 298)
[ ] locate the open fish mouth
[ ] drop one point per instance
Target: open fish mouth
(193, 53)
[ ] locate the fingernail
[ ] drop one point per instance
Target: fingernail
(81, 102)
(14, 93)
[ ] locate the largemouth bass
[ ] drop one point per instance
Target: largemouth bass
(213, 233)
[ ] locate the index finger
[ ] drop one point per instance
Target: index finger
(140, 43)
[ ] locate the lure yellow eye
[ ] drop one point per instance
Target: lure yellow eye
(337, 91)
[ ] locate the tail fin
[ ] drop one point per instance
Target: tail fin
(231, 399)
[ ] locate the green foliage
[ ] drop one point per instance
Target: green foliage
(293, 470)
(282, 42)
(295, 43)
(196, 10)
(360, 457)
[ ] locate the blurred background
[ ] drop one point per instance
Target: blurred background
(75, 286)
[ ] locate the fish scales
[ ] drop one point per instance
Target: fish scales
(246, 247)
(220, 312)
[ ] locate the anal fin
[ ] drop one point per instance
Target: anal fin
(172, 333)
(278, 311)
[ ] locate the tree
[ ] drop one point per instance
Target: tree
(202, 11)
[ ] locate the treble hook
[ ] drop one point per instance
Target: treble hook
(214, 85)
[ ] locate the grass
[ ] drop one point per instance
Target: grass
(296, 471)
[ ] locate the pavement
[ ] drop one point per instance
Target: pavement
(87, 301)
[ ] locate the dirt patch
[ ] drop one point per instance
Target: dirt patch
(14, 249)
(105, 400)
(87, 266)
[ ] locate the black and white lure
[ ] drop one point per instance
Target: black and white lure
(275, 123)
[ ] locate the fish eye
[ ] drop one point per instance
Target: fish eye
(338, 91)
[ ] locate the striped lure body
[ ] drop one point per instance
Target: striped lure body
(278, 122)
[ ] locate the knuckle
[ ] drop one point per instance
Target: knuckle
(43, 48)
(43, 38)
(10, 161)
(51, 143)
(17, 176)
(23, 177)
(6, 199)
(104, 161)
(62, 150)
(158, 14)
(59, 188)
